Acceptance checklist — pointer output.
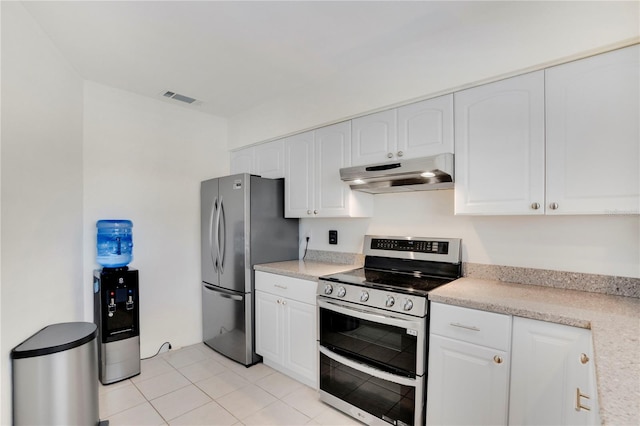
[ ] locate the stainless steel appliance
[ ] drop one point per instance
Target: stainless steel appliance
(374, 328)
(242, 224)
(416, 174)
(116, 312)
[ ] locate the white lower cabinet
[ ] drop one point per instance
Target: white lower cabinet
(491, 369)
(552, 375)
(286, 325)
(468, 381)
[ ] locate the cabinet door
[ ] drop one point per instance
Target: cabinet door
(299, 172)
(269, 327)
(332, 152)
(374, 138)
(468, 384)
(499, 147)
(548, 369)
(242, 161)
(426, 128)
(593, 136)
(301, 351)
(269, 159)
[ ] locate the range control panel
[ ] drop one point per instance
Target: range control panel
(419, 246)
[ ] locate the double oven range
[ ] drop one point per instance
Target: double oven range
(374, 328)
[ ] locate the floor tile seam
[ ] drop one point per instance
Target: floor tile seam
(125, 409)
(167, 393)
(309, 418)
(252, 413)
(194, 408)
(219, 396)
(273, 394)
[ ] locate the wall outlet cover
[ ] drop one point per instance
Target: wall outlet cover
(333, 237)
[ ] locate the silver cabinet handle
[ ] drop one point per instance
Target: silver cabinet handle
(535, 206)
(400, 153)
(390, 155)
(554, 206)
(315, 212)
(466, 327)
(497, 359)
(308, 211)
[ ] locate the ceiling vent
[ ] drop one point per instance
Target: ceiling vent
(181, 98)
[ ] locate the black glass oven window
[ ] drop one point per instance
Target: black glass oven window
(385, 347)
(389, 401)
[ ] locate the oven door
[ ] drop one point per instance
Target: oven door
(387, 341)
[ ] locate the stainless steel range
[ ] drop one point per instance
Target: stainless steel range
(374, 328)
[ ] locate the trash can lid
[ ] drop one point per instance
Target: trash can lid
(56, 338)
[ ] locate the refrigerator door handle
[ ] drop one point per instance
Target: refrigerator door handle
(221, 293)
(222, 226)
(212, 236)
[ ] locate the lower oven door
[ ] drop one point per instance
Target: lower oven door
(372, 396)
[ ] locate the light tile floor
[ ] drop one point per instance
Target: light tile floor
(197, 386)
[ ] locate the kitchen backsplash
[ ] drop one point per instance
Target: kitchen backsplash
(355, 259)
(594, 283)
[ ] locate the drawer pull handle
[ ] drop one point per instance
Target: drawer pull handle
(466, 327)
(579, 396)
(284, 287)
(584, 358)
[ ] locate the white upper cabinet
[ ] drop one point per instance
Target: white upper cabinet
(266, 160)
(499, 147)
(374, 138)
(415, 130)
(593, 134)
(313, 187)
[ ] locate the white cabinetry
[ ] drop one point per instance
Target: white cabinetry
(415, 130)
(586, 161)
(593, 134)
(499, 146)
(266, 160)
(313, 187)
(286, 325)
(552, 375)
(468, 367)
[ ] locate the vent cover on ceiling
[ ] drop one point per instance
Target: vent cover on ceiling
(179, 97)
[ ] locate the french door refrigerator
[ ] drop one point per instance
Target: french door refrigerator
(243, 224)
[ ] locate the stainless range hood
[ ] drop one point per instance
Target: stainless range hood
(418, 174)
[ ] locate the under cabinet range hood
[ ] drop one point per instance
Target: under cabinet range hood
(418, 174)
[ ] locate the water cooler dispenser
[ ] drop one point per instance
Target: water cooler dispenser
(116, 309)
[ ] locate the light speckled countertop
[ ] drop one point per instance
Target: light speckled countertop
(306, 270)
(614, 322)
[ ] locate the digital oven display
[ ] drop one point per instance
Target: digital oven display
(439, 247)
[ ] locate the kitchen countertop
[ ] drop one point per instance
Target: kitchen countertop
(614, 322)
(306, 270)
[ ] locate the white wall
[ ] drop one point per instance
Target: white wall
(144, 160)
(41, 187)
(608, 245)
(515, 36)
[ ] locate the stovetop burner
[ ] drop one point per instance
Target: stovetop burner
(401, 282)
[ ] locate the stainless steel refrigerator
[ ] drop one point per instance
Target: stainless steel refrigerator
(242, 224)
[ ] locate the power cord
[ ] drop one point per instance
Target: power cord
(305, 248)
(161, 346)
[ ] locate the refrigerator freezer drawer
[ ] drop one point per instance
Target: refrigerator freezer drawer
(227, 323)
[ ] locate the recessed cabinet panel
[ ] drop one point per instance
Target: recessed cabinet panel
(242, 161)
(332, 145)
(499, 146)
(426, 128)
(299, 175)
(593, 135)
(374, 138)
(269, 159)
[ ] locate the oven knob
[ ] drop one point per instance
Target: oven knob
(408, 304)
(390, 301)
(328, 289)
(341, 291)
(364, 296)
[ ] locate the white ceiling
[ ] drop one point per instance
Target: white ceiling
(234, 55)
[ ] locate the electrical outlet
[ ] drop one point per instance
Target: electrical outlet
(333, 237)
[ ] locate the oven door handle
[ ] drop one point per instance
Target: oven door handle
(405, 381)
(414, 323)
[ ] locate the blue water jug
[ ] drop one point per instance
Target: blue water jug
(115, 243)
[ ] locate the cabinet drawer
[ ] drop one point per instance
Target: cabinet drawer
(471, 325)
(289, 287)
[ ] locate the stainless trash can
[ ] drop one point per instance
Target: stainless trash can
(55, 376)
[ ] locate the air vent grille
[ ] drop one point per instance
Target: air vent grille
(178, 97)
